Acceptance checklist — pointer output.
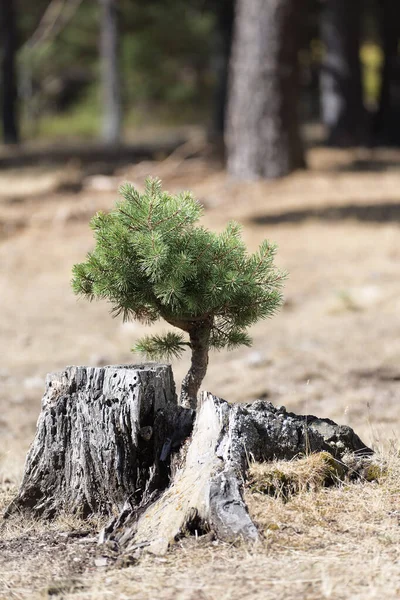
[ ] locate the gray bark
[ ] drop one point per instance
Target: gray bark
(206, 489)
(224, 10)
(111, 130)
(114, 438)
(199, 336)
(343, 112)
(262, 130)
(99, 439)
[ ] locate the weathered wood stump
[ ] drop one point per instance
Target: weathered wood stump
(206, 489)
(99, 439)
(112, 439)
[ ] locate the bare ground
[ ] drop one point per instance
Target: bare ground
(334, 350)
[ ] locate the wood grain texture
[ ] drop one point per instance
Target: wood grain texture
(206, 490)
(99, 439)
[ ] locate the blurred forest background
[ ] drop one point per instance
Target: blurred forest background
(251, 75)
(207, 95)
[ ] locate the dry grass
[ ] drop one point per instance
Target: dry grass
(340, 542)
(285, 479)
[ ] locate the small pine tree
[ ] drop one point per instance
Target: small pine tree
(152, 261)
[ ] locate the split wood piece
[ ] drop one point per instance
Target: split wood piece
(206, 490)
(99, 439)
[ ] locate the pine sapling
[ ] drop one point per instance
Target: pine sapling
(153, 260)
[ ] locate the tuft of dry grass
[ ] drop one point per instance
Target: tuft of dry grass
(21, 524)
(283, 479)
(341, 516)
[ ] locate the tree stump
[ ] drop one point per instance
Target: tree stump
(99, 440)
(114, 439)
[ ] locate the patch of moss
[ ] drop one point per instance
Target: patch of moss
(272, 527)
(333, 469)
(61, 587)
(374, 472)
(271, 483)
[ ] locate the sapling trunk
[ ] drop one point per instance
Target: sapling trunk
(199, 337)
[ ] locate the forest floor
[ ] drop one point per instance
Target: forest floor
(333, 351)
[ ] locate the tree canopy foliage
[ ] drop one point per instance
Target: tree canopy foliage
(153, 260)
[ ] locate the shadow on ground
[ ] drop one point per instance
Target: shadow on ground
(360, 165)
(370, 213)
(89, 153)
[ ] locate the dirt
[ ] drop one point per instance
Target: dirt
(333, 350)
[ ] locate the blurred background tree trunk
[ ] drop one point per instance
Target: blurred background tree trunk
(110, 79)
(8, 82)
(262, 128)
(387, 120)
(343, 112)
(223, 35)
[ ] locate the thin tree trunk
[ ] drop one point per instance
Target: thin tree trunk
(8, 75)
(343, 112)
(262, 130)
(223, 36)
(199, 344)
(111, 93)
(387, 120)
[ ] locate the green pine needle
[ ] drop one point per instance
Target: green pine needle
(160, 347)
(153, 260)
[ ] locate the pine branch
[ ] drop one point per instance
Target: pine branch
(262, 259)
(131, 227)
(167, 346)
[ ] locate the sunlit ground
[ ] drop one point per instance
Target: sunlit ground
(333, 350)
